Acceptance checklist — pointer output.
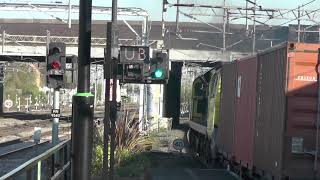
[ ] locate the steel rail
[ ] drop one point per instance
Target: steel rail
(22, 149)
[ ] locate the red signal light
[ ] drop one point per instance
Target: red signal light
(55, 65)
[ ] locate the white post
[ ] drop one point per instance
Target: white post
(17, 101)
(95, 87)
(118, 91)
(141, 107)
(27, 106)
(55, 122)
(30, 102)
(19, 107)
(149, 103)
(161, 100)
(3, 40)
(36, 104)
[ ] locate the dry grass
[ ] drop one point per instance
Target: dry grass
(130, 145)
(129, 140)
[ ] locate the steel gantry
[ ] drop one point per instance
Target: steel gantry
(252, 11)
(62, 8)
(34, 39)
(237, 12)
(51, 9)
(130, 11)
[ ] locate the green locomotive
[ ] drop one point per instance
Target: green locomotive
(204, 120)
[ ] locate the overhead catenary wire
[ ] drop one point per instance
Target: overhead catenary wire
(194, 18)
(270, 28)
(273, 27)
(278, 26)
(300, 6)
(281, 14)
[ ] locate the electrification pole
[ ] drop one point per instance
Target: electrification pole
(147, 88)
(106, 120)
(315, 166)
(110, 66)
(143, 88)
(177, 17)
(69, 14)
(113, 110)
(224, 27)
(299, 24)
(82, 113)
(254, 29)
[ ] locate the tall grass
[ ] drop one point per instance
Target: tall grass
(97, 155)
(130, 145)
(129, 140)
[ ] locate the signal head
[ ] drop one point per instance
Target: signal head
(56, 64)
(158, 73)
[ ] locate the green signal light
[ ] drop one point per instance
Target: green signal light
(158, 73)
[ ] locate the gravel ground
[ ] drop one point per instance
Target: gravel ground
(171, 164)
(20, 126)
(166, 140)
(14, 126)
(190, 174)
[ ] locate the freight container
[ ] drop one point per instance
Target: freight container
(285, 130)
(245, 111)
(225, 134)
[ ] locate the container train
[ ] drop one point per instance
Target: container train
(258, 115)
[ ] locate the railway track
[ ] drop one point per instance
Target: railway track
(21, 149)
(28, 137)
(13, 158)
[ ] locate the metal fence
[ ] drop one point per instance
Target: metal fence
(53, 164)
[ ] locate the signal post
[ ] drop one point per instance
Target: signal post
(61, 76)
(83, 101)
(56, 68)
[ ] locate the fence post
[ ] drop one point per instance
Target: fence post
(39, 171)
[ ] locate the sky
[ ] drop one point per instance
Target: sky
(154, 7)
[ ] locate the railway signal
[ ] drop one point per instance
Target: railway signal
(159, 66)
(158, 73)
(56, 65)
(136, 66)
(56, 79)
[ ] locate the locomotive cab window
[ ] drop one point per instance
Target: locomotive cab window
(213, 86)
(199, 89)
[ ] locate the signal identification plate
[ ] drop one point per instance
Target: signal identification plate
(138, 54)
(55, 113)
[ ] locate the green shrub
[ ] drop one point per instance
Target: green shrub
(97, 159)
(133, 165)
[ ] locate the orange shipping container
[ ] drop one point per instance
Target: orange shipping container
(284, 139)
